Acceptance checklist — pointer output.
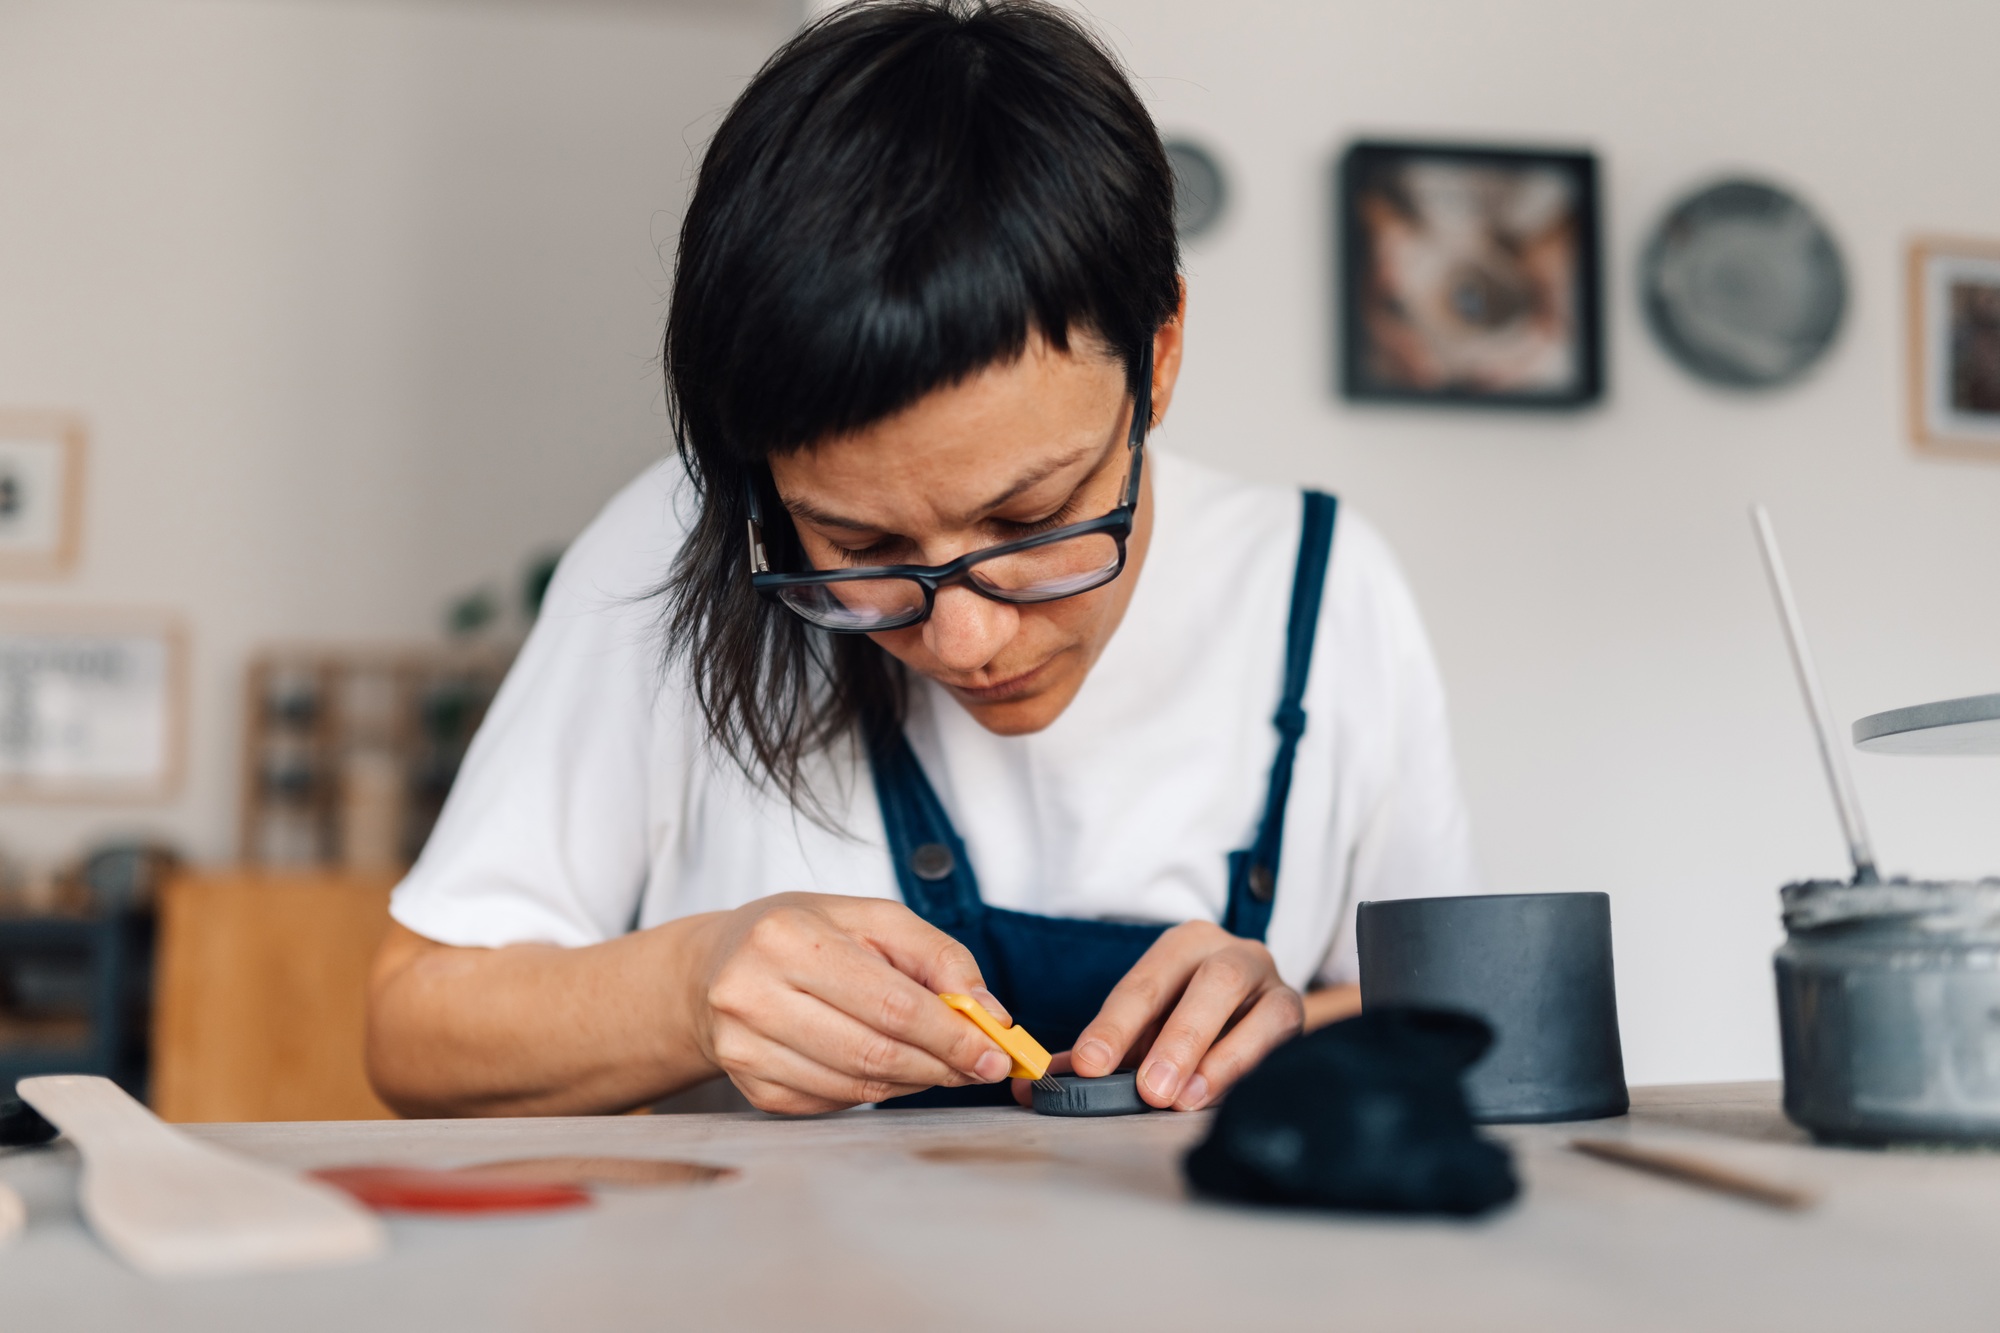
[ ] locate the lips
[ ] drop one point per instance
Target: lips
(1002, 691)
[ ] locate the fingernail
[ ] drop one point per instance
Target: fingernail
(1194, 1094)
(1161, 1079)
(993, 1006)
(1094, 1053)
(992, 1067)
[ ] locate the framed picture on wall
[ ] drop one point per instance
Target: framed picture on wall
(41, 492)
(90, 705)
(1955, 346)
(1469, 275)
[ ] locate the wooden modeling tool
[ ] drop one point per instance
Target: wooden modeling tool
(1030, 1060)
(1698, 1171)
(13, 1216)
(173, 1207)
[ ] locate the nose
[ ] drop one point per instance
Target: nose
(966, 631)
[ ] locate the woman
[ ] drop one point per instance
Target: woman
(951, 685)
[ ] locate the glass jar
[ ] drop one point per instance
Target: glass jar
(1889, 1010)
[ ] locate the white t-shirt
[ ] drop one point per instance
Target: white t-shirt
(591, 802)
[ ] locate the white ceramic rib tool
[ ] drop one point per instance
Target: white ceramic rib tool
(171, 1206)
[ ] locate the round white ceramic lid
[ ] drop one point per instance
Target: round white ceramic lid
(1955, 726)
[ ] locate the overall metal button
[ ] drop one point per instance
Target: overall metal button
(931, 861)
(1262, 883)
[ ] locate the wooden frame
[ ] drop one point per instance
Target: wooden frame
(57, 555)
(1405, 340)
(1937, 425)
(60, 624)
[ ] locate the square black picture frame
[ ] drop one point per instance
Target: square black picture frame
(1508, 273)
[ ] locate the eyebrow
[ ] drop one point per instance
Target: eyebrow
(812, 513)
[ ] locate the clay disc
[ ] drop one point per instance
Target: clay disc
(1114, 1094)
(601, 1171)
(403, 1189)
(529, 1184)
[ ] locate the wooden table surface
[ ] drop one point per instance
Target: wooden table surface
(1003, 1219)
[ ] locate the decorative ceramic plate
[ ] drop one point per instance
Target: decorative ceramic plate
(1200, 193)
(1743, 285)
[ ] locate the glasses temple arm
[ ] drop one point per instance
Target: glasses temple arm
(760, 563)
(1142, 420)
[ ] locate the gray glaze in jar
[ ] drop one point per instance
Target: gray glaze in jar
(1889, 1010)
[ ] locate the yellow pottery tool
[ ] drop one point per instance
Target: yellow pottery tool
(1030, 1060)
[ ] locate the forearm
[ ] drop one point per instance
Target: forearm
(535, 1029)
(1330, 1004)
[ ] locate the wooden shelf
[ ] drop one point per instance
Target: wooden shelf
(62, 1034)
(93, 1024)
(348, 753)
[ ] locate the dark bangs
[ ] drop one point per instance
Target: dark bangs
(903, 194)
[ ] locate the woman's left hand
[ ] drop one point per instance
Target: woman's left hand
(1198, 1011)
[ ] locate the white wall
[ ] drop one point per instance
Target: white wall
(1623, 704)
(361, 301)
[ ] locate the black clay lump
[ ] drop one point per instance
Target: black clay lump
(1368, 1114)
(22, 1125)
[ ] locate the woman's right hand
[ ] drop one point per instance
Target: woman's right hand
(816, 1002)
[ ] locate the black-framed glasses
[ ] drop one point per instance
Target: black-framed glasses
(1046, 567)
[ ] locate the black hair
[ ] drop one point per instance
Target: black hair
(902, 196)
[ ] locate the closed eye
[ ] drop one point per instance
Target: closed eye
(1015, 530)
(889, 550)
(879, 552)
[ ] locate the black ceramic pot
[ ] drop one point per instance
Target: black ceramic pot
(1537, 966)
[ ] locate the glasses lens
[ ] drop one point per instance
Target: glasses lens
(1045, 573)
(856, 604)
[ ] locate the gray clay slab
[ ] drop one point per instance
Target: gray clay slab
(1953, 726)
(1114, 1094)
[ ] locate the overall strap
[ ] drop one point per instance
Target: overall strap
(932, 869)
(1253, 872)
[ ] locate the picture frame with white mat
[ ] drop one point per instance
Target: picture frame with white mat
(41, 492)
(92, 704)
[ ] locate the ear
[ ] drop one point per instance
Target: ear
(1167, 345)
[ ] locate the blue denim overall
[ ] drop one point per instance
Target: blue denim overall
(1053, 973)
